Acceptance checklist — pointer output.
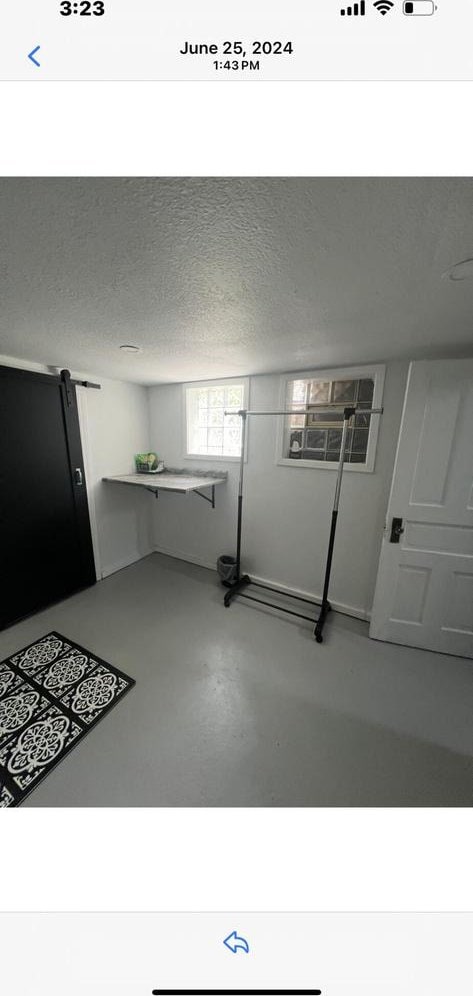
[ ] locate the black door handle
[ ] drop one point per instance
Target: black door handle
(396, 530)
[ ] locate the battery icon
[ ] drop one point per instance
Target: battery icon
(420, 8)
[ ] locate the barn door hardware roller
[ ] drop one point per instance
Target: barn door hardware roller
(242, 582)
(69, 384)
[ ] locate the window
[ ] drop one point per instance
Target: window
(210, 432)
(315, 437)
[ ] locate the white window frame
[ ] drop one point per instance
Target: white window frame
(377, 372)
(229, 382)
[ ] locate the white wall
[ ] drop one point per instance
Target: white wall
(114, 426)
(286, 509)
(117, 426)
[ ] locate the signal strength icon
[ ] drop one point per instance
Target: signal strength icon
(358, 10)
(383, 6)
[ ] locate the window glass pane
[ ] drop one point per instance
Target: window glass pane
(216, 397)
(297, 421)
(360, 441)
(232, 421)
(215, 438)
(365, 390)
(294, 448)
(216, 416)
(209, 431)
(234, 397)
(326, 417)
(232, 442)
(334, 443)
(334, 439)
(313, 454)
(199, 441)
(316, 439)
(298, 391)
(320, 432)
(319, 391)
(344, 390)
(362, 420)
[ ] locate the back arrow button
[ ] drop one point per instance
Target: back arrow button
(32, 56)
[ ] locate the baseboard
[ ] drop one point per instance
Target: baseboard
(347, 610)
(126, 562)
(187, 557)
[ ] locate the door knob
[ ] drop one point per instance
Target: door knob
(396, 530)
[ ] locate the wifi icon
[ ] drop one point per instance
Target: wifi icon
(383, 6)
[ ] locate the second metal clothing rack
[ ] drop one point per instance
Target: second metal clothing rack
(242, 581)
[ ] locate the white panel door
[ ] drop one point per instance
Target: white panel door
(424, 589)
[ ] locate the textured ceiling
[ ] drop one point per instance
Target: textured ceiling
(220, 277)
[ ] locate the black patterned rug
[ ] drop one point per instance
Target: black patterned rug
(51, 694)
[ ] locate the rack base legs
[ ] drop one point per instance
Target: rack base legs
(235, 587)
(325, 608)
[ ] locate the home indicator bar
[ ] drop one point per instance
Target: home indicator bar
(237, 992)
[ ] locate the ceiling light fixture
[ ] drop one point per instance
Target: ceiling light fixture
(460, 271)
(130, 349)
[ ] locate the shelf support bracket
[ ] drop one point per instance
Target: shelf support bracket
(206, 497)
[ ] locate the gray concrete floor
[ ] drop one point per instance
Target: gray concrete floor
(240, 707)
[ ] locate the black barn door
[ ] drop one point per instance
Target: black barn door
(45, 541)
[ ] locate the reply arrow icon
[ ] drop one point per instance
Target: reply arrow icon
(235, 943)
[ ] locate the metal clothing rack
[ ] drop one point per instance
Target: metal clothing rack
(242, 581)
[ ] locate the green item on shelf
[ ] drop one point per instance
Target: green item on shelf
(146, 463)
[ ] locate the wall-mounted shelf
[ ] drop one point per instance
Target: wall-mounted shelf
(177, 481)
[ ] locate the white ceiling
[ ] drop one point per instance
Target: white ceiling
(220, 277)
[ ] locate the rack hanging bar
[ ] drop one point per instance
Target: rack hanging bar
(308, 409)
